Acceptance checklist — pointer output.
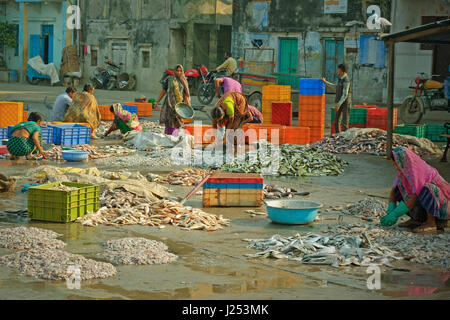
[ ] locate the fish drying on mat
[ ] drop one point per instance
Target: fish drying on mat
(56, 265)
(136, 251)
(292, 160)
(119, 207)
(335, 250)
(185, 177)
(22, 238)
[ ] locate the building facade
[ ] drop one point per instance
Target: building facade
(293, 39)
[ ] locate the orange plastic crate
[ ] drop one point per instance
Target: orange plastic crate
(185, 121)
(144, 109)
(105, 113)
(297, 135)
(25, 116)
(311, 103)
(11, 113)
(204, 138)
(264, 131)
(276, 93)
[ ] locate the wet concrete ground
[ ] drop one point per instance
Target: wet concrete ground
(211, 265)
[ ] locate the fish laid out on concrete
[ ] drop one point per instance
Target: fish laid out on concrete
(136, 251)
(119, 207)
(335, 250)
(272, 191)
(185, 177)
(23, 238)
(94, 153)
(364, 208)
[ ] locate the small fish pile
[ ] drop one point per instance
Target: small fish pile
(272, 191)
(185, 177)
(428, 249)
(291, 160)
(364, 208)
(94, 153)
(136, 251)
(119, 207)
(22, 238)
(117, 150)
(52, 264)
(336, 250)
(372, 142)
(150, 126)
(62, 187)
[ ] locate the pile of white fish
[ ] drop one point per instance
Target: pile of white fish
(136, 251)
(368, 207)
(119, 207)
(372, 142)
(22, 238)
(154, 158)
(56, 265)
(291, 160)
(185, 177)
(335, 250)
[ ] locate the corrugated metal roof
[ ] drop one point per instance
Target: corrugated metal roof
(435, 33)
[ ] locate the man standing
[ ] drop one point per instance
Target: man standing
(228, 85)
(62, 103)
(343, 99)
(230, 64)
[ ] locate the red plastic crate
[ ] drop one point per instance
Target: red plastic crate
(377, 118)
(282, 113)
(297, 135)
(333, 130)
(3, 150)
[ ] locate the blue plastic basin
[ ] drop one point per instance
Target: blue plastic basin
(292, 211)
(74, 155)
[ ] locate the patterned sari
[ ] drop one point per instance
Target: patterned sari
(129, 119)
(240, 105)
(84, 108)
(419, 178)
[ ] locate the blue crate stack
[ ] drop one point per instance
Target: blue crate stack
(311, 86)
(46, 134)
(3, 133)
(71, 134)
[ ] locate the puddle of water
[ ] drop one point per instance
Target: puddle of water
(417, 283)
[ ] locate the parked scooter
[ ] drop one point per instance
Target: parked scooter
(106, 78)
(428, 94)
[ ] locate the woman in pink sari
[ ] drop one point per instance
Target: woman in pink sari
(421, 192)
(123, 120)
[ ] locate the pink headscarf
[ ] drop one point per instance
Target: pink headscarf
(415, 173)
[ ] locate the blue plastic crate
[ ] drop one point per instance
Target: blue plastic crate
(311, 86)
(46, 134)
(71, 134)
(132, 109)
(4, 133)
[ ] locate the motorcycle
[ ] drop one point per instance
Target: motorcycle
(428, 94)
(192, 76)
(106, 78)
(206, 90)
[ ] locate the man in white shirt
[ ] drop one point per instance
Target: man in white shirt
(343, 99)
(62, 103)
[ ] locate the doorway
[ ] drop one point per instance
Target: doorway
(288, 56)
(334, 56)
(47, 43)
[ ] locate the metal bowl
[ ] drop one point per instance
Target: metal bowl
(184, 110)
(292, 211)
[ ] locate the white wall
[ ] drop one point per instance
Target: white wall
(409, 59)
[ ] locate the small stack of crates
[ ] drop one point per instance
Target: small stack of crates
(311, 107)
(11, 113)
(233, 190)
(434, 131)
(415, 130)
(144, 109)
(270, 94)
(378, 117)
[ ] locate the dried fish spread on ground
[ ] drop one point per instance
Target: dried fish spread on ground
(292, 160)
(335, 250)
(374, 142)
(185, 177)
(55, 265)
(136, 251)
(22, 238)
(94, 153)
(364, 208)
(119, 207)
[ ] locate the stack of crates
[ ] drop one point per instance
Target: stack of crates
(270, 94)
(378, 117)
(434, 131)
(233, 190)
(415, 130)
(297, 135)
(68, 135)
(11, 113)
(311, 107)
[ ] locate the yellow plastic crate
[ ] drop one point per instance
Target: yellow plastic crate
(11, 113)
(80, 123)
(232, 197)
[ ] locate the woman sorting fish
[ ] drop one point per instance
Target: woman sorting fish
(84, 108)
(26, 138)
(177, 90)
(420, 192)
(124, 120)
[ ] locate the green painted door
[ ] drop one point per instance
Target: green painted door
(287, 62)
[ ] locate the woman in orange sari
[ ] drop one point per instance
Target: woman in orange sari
(84, 108)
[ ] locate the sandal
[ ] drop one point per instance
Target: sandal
(424, 229)
(409, 224)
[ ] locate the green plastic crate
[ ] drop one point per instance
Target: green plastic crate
(62, 206)
(434, 132)
(416, 130)
(357, 115)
